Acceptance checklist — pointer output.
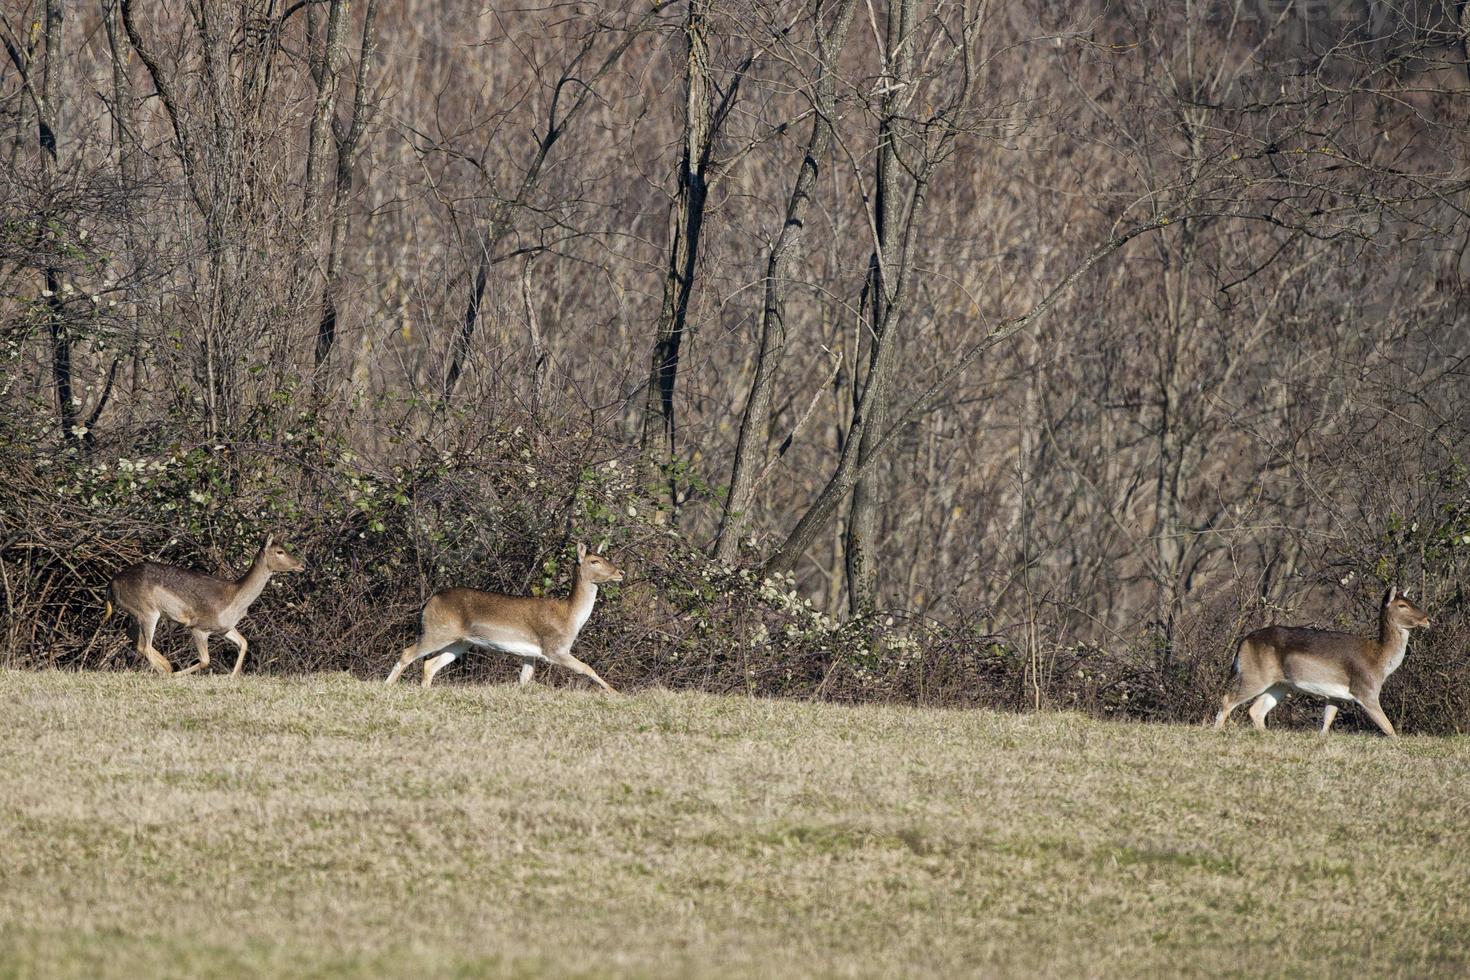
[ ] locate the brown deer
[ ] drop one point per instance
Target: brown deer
(204, 603)
(1273, 661)
(531, 628)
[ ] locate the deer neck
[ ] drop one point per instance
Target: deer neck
(579, 603)
(249, 588)
(1393, 643)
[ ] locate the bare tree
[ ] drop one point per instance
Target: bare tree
(829, 40)
(347, 134)
(686, 220)
(707, 109)
(1072, 322)
(48, 116)
(571, 93)
(215, 102)
(42, 96)
(324, 55)
(910, 148)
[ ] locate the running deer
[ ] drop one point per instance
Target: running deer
(1273, 661)
(531, 628)
(203, 603)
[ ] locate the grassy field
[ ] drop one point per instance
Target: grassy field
(329, 826)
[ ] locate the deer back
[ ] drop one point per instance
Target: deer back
(471, 612)
(181, 593)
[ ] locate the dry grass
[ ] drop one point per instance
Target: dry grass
(327, 826)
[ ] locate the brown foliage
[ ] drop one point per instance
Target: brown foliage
(1251, 395)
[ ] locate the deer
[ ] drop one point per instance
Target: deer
(533, 628)
(1338, 666)
(204, 603)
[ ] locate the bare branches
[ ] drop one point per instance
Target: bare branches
(163, 85)
(829, 41)
(577, 91)
(1113, 289)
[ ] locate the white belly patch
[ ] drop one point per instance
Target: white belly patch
(1338, 691)
(506, 644)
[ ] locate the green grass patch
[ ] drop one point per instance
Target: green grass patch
(326, 826)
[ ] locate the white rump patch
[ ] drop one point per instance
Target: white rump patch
(1323, 690)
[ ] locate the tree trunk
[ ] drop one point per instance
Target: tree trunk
(862, 519)
(750, 447)
(48, 121)
(128, 153)
(853, 462)
(686, 224)
(324, 59)
(460, 351)
(20, 136)
(540, 356)
(870, 405)
(347, 137)
(1178, 423)
(325, 65)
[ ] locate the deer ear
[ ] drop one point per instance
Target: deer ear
(1393, 592)
(1404, 594)
(268, 539)
(581, 551)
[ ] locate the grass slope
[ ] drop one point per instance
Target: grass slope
(328, 826)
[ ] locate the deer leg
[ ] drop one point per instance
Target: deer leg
(1263, 705)
(1370, 705)
(1227, 705)
(135, 633)
(565, 659)
(146, 624)
(234, 637)
(1329, 715)
(528, 670)
(201, 642)
(425, 646)
(449, 656)
(1238, 695)
(406, 658)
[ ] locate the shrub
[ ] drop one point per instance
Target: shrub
(502, 508)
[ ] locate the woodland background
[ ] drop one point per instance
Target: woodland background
(1022, 354)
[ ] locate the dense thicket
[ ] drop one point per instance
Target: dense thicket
(1017, 355)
